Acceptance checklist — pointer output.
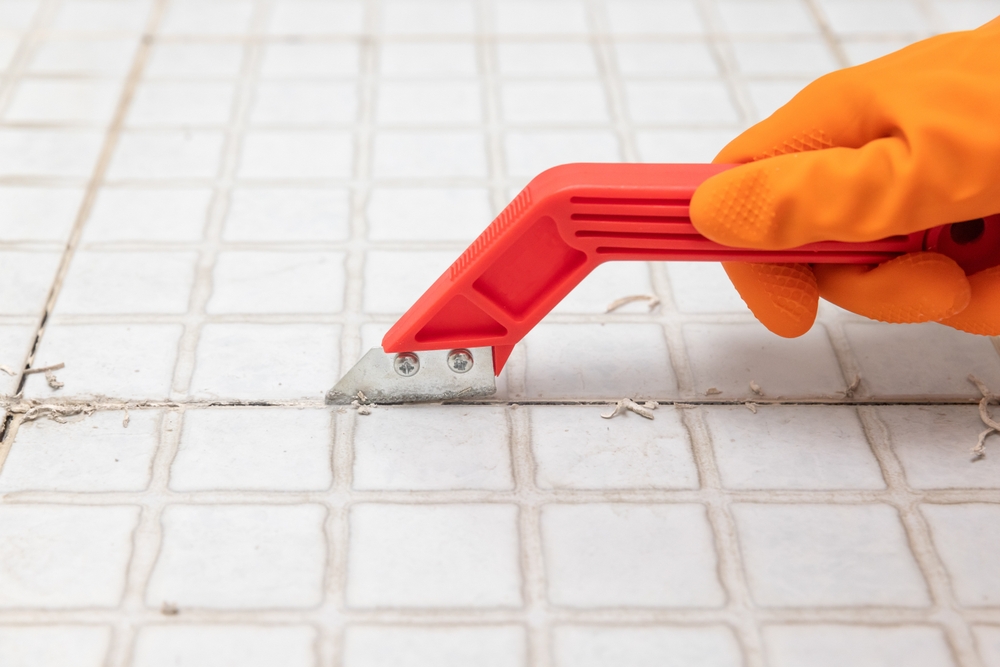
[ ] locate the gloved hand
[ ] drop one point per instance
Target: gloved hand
(901, 144)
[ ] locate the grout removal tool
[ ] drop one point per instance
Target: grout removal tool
(457, 336)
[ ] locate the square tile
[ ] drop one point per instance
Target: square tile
(874, 16)
(793, 57)
(240, 557)
(194, 60)
(253, 449)
(428, 103)
(277, 282)
(54, 645)
(64, 557)
(38, 213)
(427, 448)
(408, 646)
(934, 445)
(83, 57)
(679, 17)
(18, 15)
(554, 102)
(967, 536)
(266, 361)
(173, 103)
(193, 17)
(292, 103)
(316, 18)
(988, 640)
(550, 17)
(792, 447)
(8, 47)
(16, 341)
(769, 96)
(664, 646)
(630, 555)
(828, 556)
(92, 455)
(426, 59)
(680, 102)
(309, 60)
(217, 644)
(40, 100)
(296, 155)
(436, 154)
(666, 58)
(607, 283)
(287, 214)
(394, 279)
(728, 357)
(129, 361)
(25, 280)
(966, 14)
(52, 153)
(166, 154)
(786, 17)
(863, 50)
(146, 214)
(539, 58)
(606, 361)
(574, 448)
(127, 282)
(102, 15)
(703, 287)
(427, 214)
(921, 360)
(434, 17)
(441, 556)
(873, 646)
(530, 153)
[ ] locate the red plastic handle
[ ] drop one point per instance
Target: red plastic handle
(572, 218)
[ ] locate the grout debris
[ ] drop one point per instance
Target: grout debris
(712, 391)
(362, 404)
(853, 387)
(169, 609)
(53, 381)
(654, 302)
(628, 405)
(751, 406)
(7, 370)
(126, 419)
(979, 451)
(755, 388)
(45, 369)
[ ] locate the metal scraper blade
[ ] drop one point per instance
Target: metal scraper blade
(417, 377)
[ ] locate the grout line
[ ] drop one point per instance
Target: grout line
(16, 70)
(720, 45)
(829, 36)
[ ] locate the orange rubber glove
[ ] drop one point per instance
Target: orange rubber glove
(901, 144)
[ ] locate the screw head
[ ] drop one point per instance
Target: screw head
(460, 361)
(406, 364)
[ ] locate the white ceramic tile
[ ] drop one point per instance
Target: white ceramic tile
(253, 449)
(8, 47)
(240, 557)
(862, 50)
(766, 16)
(277, 282)
(127, 282)
(921, 359)
(607, 361)
(554, 102)
(102, 15)
(194, 60)
(607, 283)
(395, 279)
(427, 646)
(91, 455)
(427, 59)
(966, 14)
(703, 287)
(772, 57)
(550, 17)
(533, 59)
(101, 57)
(729, 357)
(966, 537)
(436, 154)
(173, 103)
(874, 16)
(15, 15)
(54, 645)
(574, 448)
(144, 214)
(654, 17)
(309, 60)
(296, 155)
(436, 17)
(645, 646)
(265, 361)
(606, 555)
(988, 640)
(433, 556)
(769, 96)
(828, 556)
(15, 343)
(38, 213)
(194, 17)
(303, 103)
(67, 101)
(835, 645)
(530, 153)
(428, 103)
(133, 361)
(934, 445)
(166, 154)
(287, 214)
(315, 17)
(792, 447)
(680, 102)
(64, 557)
(25, 280)
(665, 58)
(55, 153)
(424, 448)
(427, 214)
(216, 644)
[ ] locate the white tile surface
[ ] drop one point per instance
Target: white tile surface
(75, 56)
(488, 646)
(703, 287)
(189, 17)
(524, 17)
(428, 103)
(641, 58)
(966, 536)
(395, 279)
(195, 60)
(166, 154)
(309, 60)
(606, 284)
(676, 17)
(432, 17)
(173, 103)
(37, 214)
(426, 59)
(874, 16)
(127, 282)
(427, 214)
(766, 16)
(240, 557)
(148, 214)
(988, 640)
(101, 15)
(541, 58)
(555, 103)
(15, 344)
(314, 17)
(433, 556)
(277, 282)
(25, 279)
(630, 556)
(429, 155)
(832, 645)
(202, 646)
(529, 153)
(64, 101)
(54, 645)
(303, 103)
(287, 214)
(296, 155)
(800, 57)
(44, 152)
(666, 646)
(679, 103)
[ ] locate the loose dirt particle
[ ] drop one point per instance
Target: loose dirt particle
(979, 451)
(653, 300)
(7, 370)
(755, 388)
(628, 405)
(45, 369)
(752, 407)
(169, 609)
(126, 419)
(712, 391)
(853, 387)
(53, 381)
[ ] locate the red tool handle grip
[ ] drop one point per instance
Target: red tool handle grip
(572, 218)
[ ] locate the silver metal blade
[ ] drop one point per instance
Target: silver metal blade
(415, 377)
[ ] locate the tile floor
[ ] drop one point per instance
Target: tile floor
(215, 206)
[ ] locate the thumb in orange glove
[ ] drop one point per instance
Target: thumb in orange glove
(902, 144)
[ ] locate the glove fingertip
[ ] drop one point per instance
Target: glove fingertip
(783, 297)
(735, 208)
(982, 314)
